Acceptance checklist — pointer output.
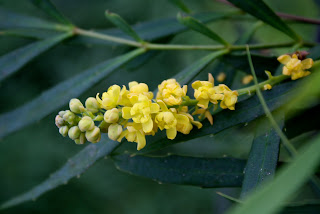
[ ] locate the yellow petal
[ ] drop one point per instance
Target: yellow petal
(122, 135)
(133, 83)
(154, 108)
(196, 84)
(147, 126)
(203, 103)
(284, 59)
(126, 113)
(210, 78)
(141, 140)
(209, 117)
(197, 124)
(171, 133)
(162, 105)
(185, 89)
(307, 63)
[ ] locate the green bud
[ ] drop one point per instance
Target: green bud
(92, 105)
(93, 135)
(81, 140)
(74, 132)
(61, 113)
(114, 131)
(64, 131)
(86, 123)
(76, 106)
(104, 126)
(98, 118)
(111, 116)
(59, 121)
(69, 117)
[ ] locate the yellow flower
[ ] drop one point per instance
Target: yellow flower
(110, 98)
(166, 120)
(141, 112)
(247, 79)
(205, 92)
(135, 89)
(134, 133)
(267, 87)
(171, 92)
(295, 67)
(230, 97)
(221, 77)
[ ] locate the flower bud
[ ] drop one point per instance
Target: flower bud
(59, 121)
(76, 106)
(92, 105)
(111, 116)
(93, 135)
(74, 132)
(86, 123)
(114, 131)
(69, 117)
(61, 113)
(81, 140)
(64, 131)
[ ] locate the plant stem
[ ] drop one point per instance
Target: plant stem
(153, 46)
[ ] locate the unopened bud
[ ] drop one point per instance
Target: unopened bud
(64, 131)
(74, 132)
(92, 105)
(86, 124)
(59, 121)
(93, 135)
(61, 113)
(69, 117)
(76, 106)
(114, 131)
(111, 116)
(81, 140)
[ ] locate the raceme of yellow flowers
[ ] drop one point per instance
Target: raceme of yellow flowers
(133, 113)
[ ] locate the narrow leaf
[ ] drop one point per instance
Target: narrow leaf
(263, 157)
(193, 70)
(14, 60)
(270, 197)
(74, 167)
(173, 169)
(260, 10)
(51, 10)
(198, 26)
(181, 5)
(10, 19)
(59, 95)
(122, 25)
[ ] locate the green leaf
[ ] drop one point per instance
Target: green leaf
(263, 157)
(174, 169)
(10, 19)
(198, 26)
(122, 25)
(246, 111)
(270, 197)
(191, 71)
(181, 5)
(14, 60)
(74, 167)
(60, 94)
(314, 53)
(51, 10)
(260, 10)
(31, 33)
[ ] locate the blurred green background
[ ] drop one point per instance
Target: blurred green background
(29, 156)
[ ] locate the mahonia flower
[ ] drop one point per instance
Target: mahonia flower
(295, 67)
(135, 89)
(134, 133)
(205, 92)
(267, 87)
(141, 111)
(229, 97)
(166, 120)
(110, 98)
(171, 92)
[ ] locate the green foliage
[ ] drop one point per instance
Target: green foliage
(143, 53)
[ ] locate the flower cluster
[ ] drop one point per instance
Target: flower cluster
(295, 65)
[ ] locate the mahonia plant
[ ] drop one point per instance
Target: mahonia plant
(134, 113)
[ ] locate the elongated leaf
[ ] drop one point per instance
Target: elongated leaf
(32, 33)
(198, 26)
(246, 111)
(10, 19)
(173, 169)
(260, 10)
(263, 157)
(74, 167)
(270, 197)
(51, 10)
(181, 5)
(191, 71)
(13, 61)
(57, 96)
(122, 25)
